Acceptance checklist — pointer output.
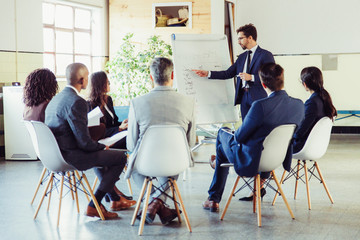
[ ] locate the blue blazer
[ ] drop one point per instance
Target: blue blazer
(314, 111)
(66, 116)
(264, 115)
(261, 56)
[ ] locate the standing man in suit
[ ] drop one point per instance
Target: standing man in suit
(66, 116)
(244, 148)
(248, 86)
(162, 105)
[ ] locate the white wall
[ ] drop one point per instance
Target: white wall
(21, 23)
(304, 26)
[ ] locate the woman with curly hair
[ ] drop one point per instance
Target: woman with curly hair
(99, 88)
(40, 87)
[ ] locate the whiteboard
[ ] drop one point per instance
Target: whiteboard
(214, 98)
(303, 26)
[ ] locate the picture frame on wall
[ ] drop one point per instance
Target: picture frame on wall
(175, 14)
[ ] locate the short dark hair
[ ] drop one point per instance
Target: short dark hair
(72, 73)
(272, 75)
(248, 30)
(161, 69)
(40, 86)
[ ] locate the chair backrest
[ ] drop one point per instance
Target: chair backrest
(275, 147)
(46, 147)
(317, 142)
(163, 151)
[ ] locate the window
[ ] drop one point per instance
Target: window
(67, 37)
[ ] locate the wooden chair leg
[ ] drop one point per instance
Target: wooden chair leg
(175, 204)
(145, 207)
(45, 190)
(281, 181)
(70, 185)
(230, 197)
(182, 205)
(94, 183)
(50, 193)
(97, 206)
(297, 178)
(60, 197)
(75, 191)
(129, 186)
(139, 202)
(82, 185)
(254, 200)
(258, 198)
(323, 182)
(307, 184)
(38, 185)
(282, 194)
(128, 180)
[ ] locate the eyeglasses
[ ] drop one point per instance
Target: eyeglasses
(241, 38)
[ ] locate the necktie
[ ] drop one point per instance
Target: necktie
(248, 62)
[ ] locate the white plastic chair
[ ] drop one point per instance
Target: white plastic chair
(274, 152)
(163, 152)
(47, 150)
(315, 147)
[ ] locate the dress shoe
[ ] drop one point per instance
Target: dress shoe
(92, 212)
(121, 204)
(121, 194)
(211, 205)
(212, 161)
(250, 198)
(153, 208)
(167, 215)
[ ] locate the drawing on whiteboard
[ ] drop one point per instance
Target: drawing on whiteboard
(191, 82)
(214, 98)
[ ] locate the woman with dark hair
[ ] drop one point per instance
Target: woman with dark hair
(99, 88)
(317, 106)
(40, 87)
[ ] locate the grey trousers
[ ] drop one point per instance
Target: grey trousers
(162, 184)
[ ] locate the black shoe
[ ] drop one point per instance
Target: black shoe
(248, 199)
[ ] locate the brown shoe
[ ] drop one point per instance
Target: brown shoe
(212, 161)
(121, 194)
(122, 204)
(211, 205)
(92, 212)
(153, 208)
(167, 215)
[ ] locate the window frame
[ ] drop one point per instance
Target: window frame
(72, 30)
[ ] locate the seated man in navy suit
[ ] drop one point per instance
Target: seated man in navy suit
(243, 149)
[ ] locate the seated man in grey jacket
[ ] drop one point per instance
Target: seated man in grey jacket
(163, 105)
(66, 116)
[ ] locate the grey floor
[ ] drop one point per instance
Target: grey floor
(341, 220)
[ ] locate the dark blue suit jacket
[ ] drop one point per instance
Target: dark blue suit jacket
(264, 115)
(261, 56)
(66, 116)
(314, 111)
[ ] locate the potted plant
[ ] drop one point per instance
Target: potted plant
(129, 71)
